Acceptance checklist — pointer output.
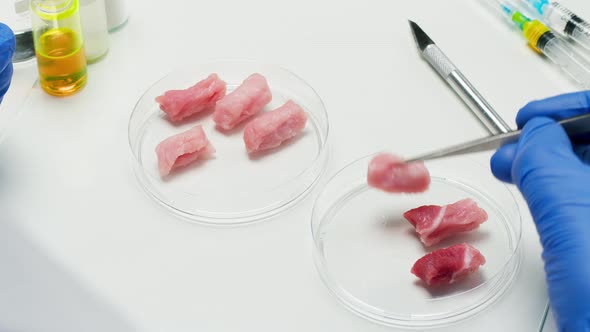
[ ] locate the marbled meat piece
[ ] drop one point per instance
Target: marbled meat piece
(434, 223)
(445, 266)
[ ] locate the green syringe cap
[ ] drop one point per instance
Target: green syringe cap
(520, 19)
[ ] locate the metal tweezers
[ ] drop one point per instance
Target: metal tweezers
(574, 126)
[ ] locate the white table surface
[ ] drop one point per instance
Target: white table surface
(82, 248)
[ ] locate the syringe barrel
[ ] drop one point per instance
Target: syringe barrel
(567, 23)
(574, 64)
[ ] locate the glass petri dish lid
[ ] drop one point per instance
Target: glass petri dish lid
(232, 187)
(364, 248)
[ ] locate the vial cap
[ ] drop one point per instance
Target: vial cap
(54, 9)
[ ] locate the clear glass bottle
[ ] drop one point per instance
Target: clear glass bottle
(59, 46)
(93, 16)
(117, 14)
(20, 22)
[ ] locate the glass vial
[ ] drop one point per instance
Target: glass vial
(59, 46)
(21, 25)
(117, 14)
(93, 17)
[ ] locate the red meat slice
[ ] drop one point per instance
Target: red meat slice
(273, 128)
(180, 104)
(183, 149)
(391, 174)
(445, 266)
(435, 223)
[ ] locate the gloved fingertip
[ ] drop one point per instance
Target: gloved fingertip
(537, 122)
(527, 112)
(545, 132)
(557, 107)
(543, 146)
(501, 162)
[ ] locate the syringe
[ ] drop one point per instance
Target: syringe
(562, 20)
(544, 41)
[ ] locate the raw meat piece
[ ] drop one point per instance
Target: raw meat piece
(390, 173)
(445, 266)
(273, 128)
(244, 102)
(435, 223)
(180, 104)
(183, 149)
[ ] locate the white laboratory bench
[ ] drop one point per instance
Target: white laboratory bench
(82, 248)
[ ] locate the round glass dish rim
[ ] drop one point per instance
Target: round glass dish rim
(319, 156)
(254, 216)
(374, 312)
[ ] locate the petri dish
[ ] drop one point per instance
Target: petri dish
(364, 248)
(233, 187)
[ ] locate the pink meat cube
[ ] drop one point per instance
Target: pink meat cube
(434, 223)
(180, 104)
(273, 128)
(244, 102)
(391, 174)
(445, 266)
(183, 149)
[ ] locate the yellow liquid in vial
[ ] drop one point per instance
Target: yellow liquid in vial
(61, 62)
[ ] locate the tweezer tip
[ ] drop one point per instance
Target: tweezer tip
(421, 38)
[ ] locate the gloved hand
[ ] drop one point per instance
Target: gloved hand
(7, 46)
(554, 177)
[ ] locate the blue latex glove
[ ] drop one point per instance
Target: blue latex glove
(7, 46)
(554, 177)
